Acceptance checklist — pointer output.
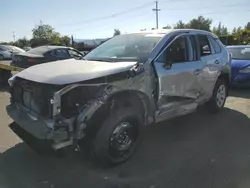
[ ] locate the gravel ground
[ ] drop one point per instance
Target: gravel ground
(198, 150)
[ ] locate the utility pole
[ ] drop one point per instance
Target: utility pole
(14, 36)
(72, 41)
(156, 10)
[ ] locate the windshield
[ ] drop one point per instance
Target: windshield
(129, 47)
(38, 50)
(240, 53)
(16, 49)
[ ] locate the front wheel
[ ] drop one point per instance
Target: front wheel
(219, 96)
(118, 137)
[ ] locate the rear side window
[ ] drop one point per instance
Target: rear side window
(61, 53)
(204, 45)
(215, 45)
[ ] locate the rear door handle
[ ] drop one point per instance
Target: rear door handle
(197, 71)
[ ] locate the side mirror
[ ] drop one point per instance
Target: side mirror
(168, 64)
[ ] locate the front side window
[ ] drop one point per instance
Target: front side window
(204, 45)
(240, 53)
(177, 51)
(129, 47)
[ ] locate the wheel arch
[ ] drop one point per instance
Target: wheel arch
(226, 77)
(121, 99)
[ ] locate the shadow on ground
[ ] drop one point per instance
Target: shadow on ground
(240, 92)
(198, 150)
(4, 87)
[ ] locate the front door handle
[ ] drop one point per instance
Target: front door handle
(217, 61)
(197, 71)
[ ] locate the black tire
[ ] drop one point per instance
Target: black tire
(1, 57)
(103, 150)
(212, 104)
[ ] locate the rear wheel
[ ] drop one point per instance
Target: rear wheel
(219, 96)
(118, 137)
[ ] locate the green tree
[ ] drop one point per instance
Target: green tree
(65, 40)
(55, 39)
(239, 29)
(200, 23)
(23, 42)
(180, 25)
(234, 31)
(167, 27)
(43, 31)
(116, 32)
(44, 34)
(220, 30)
(247, 26)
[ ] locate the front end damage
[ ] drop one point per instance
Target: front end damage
(61, 113)
(53, 113)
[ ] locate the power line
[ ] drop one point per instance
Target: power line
(105, 26)
(129, 18)
(109, 16)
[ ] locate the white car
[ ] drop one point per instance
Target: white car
(6, 51)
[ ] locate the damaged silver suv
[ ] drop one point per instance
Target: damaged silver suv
(106, 99)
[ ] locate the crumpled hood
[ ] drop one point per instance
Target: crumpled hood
(72, 70)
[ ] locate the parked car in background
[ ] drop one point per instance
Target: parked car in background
(84, 52)
(27, 48)
(7, 51)
(240, 65)
(44, 54)
(127, 82)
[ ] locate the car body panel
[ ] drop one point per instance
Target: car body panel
(239, 79)
(71, 71)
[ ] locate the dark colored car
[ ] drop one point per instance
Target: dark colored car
(44, 54)
(240, 65)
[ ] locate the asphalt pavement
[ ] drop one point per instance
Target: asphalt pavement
(199, 150)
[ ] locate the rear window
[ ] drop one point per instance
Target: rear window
(240, 53)
(39, 50)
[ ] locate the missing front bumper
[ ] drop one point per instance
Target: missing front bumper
(39, 128)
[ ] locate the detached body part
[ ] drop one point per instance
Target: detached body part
(124, 84)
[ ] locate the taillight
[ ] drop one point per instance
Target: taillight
(31, 60)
